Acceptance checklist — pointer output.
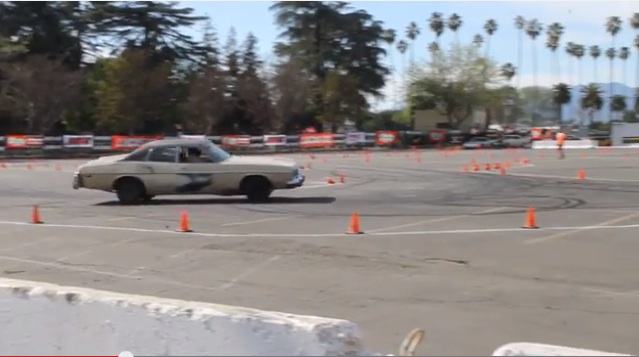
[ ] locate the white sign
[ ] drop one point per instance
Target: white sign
(354, 137)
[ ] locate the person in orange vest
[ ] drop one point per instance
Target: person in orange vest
(560, 138)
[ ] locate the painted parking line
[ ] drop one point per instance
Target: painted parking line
(302, 235)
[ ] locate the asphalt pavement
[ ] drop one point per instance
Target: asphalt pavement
(443, 249)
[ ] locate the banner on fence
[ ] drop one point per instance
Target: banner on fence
(274, 140)
(24, 141)
(386, 137)
(77, 141)
(236, 140)
(437, 136)
(316, 140)
(124, 142)
(354, 137)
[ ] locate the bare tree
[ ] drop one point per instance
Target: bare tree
(40, 90)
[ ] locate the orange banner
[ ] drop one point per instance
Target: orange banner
(125, 142)
(23, 141)
(386, 137)
(316, 140)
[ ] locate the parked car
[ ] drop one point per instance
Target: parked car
(187, 166)
(516, 141)
(478, 142)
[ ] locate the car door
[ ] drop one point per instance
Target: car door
(195, 177)
(158, 172)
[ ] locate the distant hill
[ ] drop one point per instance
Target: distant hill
(604, 113)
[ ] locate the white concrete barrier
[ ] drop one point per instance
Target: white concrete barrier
(568, 144)
(46, 319)
(536, 349)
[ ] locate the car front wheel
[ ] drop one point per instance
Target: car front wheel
(258, 189)
(130, 191)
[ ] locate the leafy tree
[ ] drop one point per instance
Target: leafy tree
(131, 98)
(153, 26)
(328, 37)
(455, 83)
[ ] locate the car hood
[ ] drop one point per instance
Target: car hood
(261, 160)
(106, 159)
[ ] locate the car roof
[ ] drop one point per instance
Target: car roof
(175, 142)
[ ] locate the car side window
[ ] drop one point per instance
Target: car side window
(163, 154)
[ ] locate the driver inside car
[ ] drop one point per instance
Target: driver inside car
(192, 156)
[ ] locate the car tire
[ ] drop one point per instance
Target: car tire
(130, 191)
(257, 189)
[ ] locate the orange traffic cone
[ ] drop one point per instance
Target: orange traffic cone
(35, 215)
(184, 223)
(581, 174)
(475, 167)
(502, 171)
(3, 165)
(496, 166)
(341, 178)
(353, 224)
(487, 166)
(529, 223)
(329, 180)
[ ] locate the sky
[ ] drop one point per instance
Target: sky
(583, 22)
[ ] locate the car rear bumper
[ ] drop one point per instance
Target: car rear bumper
(77, 181)
(296, 181)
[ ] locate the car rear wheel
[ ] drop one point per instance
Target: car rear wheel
(130, 191)
(257, 189)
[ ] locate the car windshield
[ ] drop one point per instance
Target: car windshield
(216, 153)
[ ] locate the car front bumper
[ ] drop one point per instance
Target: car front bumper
(296, 181)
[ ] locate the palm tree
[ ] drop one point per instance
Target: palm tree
(412, 31)
(613, 27)
(595, 53)
(436, 25)
(611, 53)
(591, 100)
(618, 105)
(433, 47)
(402, 47)
(490, 27)
(634, 24)
(624, 54)
(454, 23)
(553, 36)
(478, 40)
(579, 52)
(561, 95)
(520, 23)
(389, 36)
(570, 51)
(533, 30)
(508, 71)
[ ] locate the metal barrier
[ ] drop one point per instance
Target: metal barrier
(21, 146)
